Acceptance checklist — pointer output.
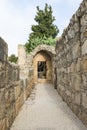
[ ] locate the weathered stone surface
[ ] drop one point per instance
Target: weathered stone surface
(84, 64)
(84, 81)
(12, 89)
(78, 65)
(84, 100)
(29, 65)
(3, 50)
(84, 117)
(2, 125)
(71, 55)
(77, 98)
(76, 50)
(2, 103)
(84, 48)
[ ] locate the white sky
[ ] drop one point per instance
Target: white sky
(17, 16)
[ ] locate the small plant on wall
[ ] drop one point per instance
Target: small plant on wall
(45, 31)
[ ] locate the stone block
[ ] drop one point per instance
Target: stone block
(9, 97)
(84, 117)
(3, 50)
(84, 100)
(77, 98)
(76, 109)
(2, 76)
(68, 93)
(76, 27)
(19, 103)
(77, 82)
(85, 3)
(73, 67)
(71, 33)
(17, 106)
(7, 122)
(76, 50)
(84, 81)
(84, 64)
(2, 124)
(84, 48)
(2, 103)
(17, 91)
(78, 65)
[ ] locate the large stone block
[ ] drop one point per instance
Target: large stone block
(3, 50)
(9, 97)
(77, 82)
(84, 117)
(78, 65)
(84, 64)
(17, 91)
(77, 98)
(2, 124)
(84, 81)
(84, 48)
(73, 67)
(76, 50)
(84, 100)
(2, 103)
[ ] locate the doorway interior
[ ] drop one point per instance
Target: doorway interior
(42, 71)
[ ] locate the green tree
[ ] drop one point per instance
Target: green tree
(13, 58)
(44, 29)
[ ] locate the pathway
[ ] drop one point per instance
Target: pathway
(45, 110)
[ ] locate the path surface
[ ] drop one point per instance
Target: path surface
(45, 110)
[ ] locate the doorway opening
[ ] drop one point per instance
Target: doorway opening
(41, 69)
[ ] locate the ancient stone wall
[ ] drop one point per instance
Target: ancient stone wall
(26, 61)
(13, 91)
(3, 50)
(71, 57)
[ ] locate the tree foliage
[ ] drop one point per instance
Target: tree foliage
(44, 31)
(13, 58)
(33, 43)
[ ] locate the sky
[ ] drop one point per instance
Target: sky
(17, 17)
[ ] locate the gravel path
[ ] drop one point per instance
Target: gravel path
(45, 110)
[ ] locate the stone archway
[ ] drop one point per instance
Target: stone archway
(42, 67)
(27, 62)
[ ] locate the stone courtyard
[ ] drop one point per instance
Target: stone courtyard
(45, 110)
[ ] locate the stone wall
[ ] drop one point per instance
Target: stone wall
(13, 91)
(26, 60)
(71, 57)
(3, 50)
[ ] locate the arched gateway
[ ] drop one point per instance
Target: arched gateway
(42, 67)
(41, 60)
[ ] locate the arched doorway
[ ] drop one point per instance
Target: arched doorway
(42, 67)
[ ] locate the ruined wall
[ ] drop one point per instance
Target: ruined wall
(71, 57)
(3, 50)
(26, 70)
(13, 91)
